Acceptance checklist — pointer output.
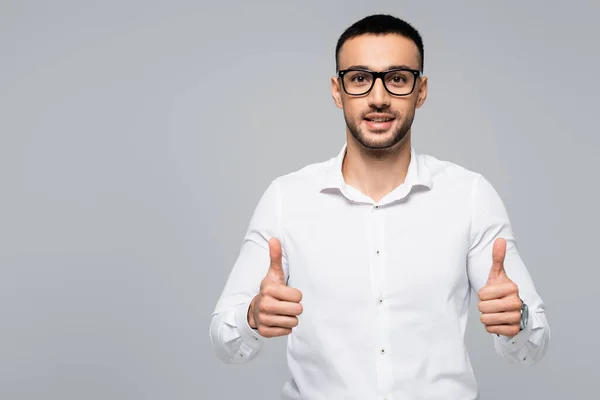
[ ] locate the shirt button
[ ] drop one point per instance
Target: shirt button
(382, 351)
(376, 207)
(377, 251)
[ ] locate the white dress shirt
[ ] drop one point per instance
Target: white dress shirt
(386, 285)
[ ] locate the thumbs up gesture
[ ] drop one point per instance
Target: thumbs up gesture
(274, 310)
(499, 300)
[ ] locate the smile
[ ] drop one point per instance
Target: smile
(379, 119)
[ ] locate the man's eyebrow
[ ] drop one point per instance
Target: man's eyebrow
(401, 66)
(396, 66)
(358, 67)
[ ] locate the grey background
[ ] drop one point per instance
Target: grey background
(137, 137)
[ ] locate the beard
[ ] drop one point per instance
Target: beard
(370, 141)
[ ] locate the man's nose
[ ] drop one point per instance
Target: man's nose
(379, 96)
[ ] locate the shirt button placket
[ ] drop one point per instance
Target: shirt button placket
(382, 333)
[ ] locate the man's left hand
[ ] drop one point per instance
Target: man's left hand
(499, 300)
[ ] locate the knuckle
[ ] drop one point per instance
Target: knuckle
(264, 307)
(259, 319)
(260, 306)
(263, 331)
(270, 305)
(267, 289)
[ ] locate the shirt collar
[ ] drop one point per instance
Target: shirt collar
(417, 175)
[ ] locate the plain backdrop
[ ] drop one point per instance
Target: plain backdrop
(137, 136)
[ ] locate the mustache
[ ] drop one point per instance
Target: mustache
(384, 110)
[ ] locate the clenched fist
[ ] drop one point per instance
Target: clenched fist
(500, 304)
(274, 310)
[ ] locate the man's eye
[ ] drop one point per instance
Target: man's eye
(398, 79)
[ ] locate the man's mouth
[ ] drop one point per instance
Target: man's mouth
(379, 121)
(378, 115)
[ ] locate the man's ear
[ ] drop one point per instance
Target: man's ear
(336, 92)
(422, 93)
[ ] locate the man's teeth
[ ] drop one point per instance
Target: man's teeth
(381, 119)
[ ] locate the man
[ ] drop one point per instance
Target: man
(368, 261)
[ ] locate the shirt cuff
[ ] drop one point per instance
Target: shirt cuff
(517, 349)
(515, 343)
(252, 341)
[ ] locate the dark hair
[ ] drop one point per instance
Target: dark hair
(380, 24)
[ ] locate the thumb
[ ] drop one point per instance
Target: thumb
(498, 254)
(276, 267)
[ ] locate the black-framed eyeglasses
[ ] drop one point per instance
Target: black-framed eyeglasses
(398, 81)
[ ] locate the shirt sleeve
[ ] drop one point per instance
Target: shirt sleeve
(489, 222)
(232, 338)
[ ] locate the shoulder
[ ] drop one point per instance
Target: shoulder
(449, 173)
(452, 177)
(306, 177)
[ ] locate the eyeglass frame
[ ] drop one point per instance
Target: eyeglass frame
(416, 73)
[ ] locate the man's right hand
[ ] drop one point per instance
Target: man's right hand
(274, 310)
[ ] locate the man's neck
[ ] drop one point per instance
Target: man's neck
(376, 173)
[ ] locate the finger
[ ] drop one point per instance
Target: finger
(498, 255)
(284, 308)
(500, 305)
(269, 331)
(501, 318)
(506, 330)
(272, 306)
(278, 321)
(275, 272)
(283, 293)
(498, 291)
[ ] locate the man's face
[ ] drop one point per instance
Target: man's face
(378, 119)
